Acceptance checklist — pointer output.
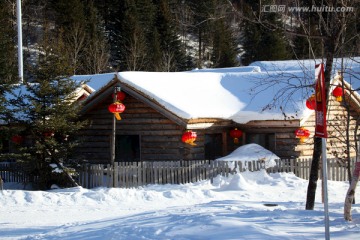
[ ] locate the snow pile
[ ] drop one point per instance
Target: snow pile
(252, 152)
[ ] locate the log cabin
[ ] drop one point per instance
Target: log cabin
(266, 101)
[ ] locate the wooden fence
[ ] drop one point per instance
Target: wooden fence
(134, 174)
(14, 172)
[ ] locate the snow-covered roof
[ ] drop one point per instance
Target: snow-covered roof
(273, 90)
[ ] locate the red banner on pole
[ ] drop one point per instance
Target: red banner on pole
(320, 109)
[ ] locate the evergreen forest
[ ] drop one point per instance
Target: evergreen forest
(165, 35)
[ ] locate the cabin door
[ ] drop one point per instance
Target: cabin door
(127, 148)
(213, 146)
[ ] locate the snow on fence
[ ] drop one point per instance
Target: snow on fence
(134, 174)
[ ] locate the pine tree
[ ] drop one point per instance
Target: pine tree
(147, 14)
(183, 16)
(201, 27)
(259, 41)
(173, 55)
(112, 13)
(224, 47)
(134, 45)
(96, 54)
(8, 74)
(81, 27)
(49, 113)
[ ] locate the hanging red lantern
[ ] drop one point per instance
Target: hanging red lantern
(17, 139)
(310, 102)
(120, 96)
(338, 93)
(302, 133)
(236, 134)
(116, 108)
(189, 137)
(49, 134)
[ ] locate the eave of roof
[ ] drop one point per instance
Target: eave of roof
(106, 90)
(148, 92)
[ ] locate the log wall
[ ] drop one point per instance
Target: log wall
(337, 119)
(284, 131)
(160, 138)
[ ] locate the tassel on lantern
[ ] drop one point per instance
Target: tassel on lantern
(117, 116)
(191, 142)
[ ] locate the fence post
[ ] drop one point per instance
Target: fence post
(1, 184)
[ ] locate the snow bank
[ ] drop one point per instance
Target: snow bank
(251, 152)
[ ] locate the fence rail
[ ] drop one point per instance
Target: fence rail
(127, 174)
(134, 174)
(14, 172)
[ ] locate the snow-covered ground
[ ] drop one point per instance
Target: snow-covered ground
(230, 208)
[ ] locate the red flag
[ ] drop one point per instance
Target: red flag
(320, 109)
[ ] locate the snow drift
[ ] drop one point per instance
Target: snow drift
(252, 152)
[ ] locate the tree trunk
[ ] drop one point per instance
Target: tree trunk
(314, 174)
(351, 192)
(199, 50)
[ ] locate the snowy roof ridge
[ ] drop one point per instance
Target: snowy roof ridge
(265, 90)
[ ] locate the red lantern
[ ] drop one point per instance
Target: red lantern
(338, 93)
(49, 134)
(302, 133)
(116, 108)
(310, 102)
(236, 134)
(120, 96)
(17, 139)
(189, 137)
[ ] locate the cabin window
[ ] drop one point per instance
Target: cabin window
(266, 140)
(127, 148)
(213, 146)
(4, 146)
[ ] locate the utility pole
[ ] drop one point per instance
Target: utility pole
(20, 47)
(113, 136)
